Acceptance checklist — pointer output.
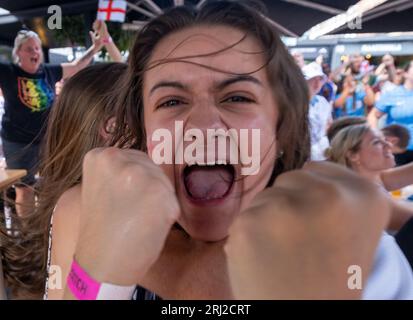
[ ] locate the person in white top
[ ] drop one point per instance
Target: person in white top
(319, 111)
(365, 151)
(391, 277)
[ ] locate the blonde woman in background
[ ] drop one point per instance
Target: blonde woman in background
(365, 151)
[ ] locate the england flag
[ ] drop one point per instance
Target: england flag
(112, 10)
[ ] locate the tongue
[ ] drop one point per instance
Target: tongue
(208, 183)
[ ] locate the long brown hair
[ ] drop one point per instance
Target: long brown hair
(289, 87)
(74, 127)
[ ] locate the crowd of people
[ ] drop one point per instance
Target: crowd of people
(358, 89)
(105, 215)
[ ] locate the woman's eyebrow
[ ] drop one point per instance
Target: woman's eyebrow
(163, 84)
(221, 85)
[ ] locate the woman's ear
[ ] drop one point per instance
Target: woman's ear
(108, 129)
(353, 157)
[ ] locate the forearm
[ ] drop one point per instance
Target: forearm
(401, 213)
(70, 69)
(372, 119)
(392, 72)
(369, 99)
(340, 102)
(397, 178)
(338, 71)
(114, 52)
(85, 60)
(380, 69)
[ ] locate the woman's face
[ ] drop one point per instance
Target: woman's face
(30, 55)
(206, 101)
(315, 84)
(399, 77)
(408, 75)
(375, 152)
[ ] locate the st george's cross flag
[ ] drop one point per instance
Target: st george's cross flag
(112, 10)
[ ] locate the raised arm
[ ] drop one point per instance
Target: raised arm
(341, 100)
(401, 212)
(374, 116)
(370, 97)
(399, 177)
(71, 68)
(102, 29)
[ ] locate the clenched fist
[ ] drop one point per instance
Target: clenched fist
(298, 238)
(128, 207)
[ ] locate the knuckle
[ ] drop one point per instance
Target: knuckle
(286, 177)
(90, 156)
(328, 190)
(110, 154)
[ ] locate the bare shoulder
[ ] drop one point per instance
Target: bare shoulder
(68, 206)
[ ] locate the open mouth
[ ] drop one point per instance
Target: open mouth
(34, 60)
(208, 183)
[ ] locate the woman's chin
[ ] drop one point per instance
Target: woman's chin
(210, 224)
(208, 236)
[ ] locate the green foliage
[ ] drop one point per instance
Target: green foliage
(73, 33)
(122, 38)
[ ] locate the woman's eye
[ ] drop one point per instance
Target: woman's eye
(238, 99)
(170, 103)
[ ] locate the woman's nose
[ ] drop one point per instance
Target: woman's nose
(205, 116)
(387, 144)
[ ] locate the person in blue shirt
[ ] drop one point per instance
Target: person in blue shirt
(397, 104)
(354, 99)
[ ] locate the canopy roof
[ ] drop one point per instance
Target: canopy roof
(291, 17)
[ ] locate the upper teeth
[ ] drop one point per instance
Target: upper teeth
(208, 163)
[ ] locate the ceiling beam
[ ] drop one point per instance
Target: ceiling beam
(389, 5)
(316, 6)
(131, 26)
(281, 28)
(200, 4)
(334, 23)
(152, 5)
(140, 10)
(399, 6)
(8, 18)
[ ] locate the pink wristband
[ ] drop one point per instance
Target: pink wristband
(84, 287)
(81, 284)
(107, 40)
